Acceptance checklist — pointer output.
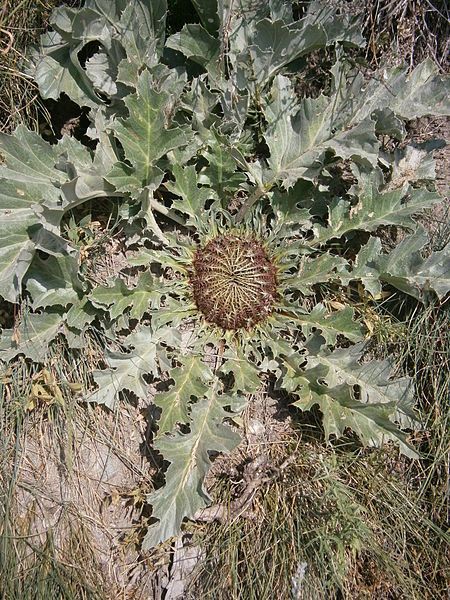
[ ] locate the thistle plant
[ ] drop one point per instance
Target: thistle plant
(248, 265)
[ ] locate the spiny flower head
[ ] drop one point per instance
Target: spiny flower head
(234, 281)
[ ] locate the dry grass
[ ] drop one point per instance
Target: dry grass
(407, 31)
(21, 23)
(335, 525)
(72, 483)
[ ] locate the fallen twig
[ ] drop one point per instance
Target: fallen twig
(10, 42)
(255, 475)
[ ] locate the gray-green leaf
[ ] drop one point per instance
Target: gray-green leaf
(188, 384)
(145, 136)
(189, 456)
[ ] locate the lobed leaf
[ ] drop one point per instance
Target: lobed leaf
(341, 410)
(375, 208)
(31, 336)
(53, 281)
(299, 134)
(320, 269)
(144, 135)
(79, 315)
(119, 298)
(196, 44)
(188, 385)
(189, 455)
(372, 380)
(245, 374)
(28, 179)
(330, 324)
(364, 268)
(422, 92)
(193, 196)
(405, 269)
(126, 371)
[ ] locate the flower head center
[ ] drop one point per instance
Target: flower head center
(234, 282)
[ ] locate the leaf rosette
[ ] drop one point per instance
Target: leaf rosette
(247, 262)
